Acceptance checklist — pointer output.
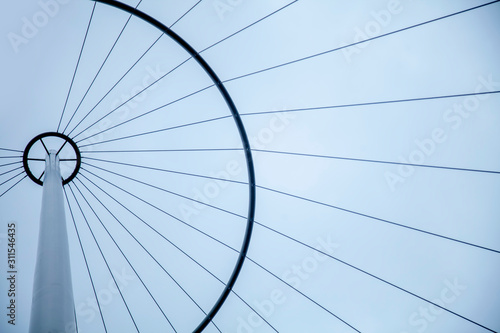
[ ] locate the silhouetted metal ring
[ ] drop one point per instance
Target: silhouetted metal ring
(40, 137)
(244, 139)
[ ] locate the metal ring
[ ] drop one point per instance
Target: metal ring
(53, 134)
(244, 139)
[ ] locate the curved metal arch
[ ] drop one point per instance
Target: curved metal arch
(244, 139)
(45, 135)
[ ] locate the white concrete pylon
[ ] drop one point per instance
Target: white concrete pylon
(52, 308)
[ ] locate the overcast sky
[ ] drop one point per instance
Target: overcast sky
(399, 199)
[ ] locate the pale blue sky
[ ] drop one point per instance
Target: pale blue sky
(339, 206)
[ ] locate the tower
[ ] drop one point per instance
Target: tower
(53, 306)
